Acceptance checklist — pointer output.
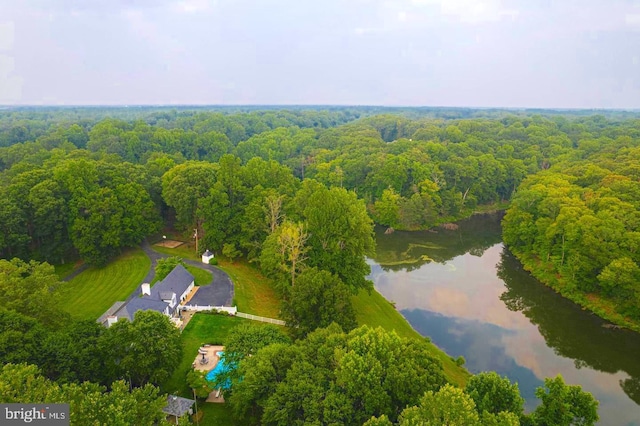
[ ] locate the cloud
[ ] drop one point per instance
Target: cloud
(193, 6)
(7, 35)
(471, 11)
(632, 19)
(10, 84)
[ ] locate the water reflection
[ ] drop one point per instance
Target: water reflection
(474, 299)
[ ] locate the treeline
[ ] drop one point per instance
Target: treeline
(412, 174)
(70, 203)
(576, 226)
(374, 377)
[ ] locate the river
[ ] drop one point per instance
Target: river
(464, 290)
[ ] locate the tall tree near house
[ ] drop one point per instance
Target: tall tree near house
(318, 299)
(292, 239)
(340, 232)
(146, 350)
(274, 210)
(184, 187)
(284, 252)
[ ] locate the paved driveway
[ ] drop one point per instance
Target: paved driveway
(219, 292)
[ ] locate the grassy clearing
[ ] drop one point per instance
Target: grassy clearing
(185, 251)
(201, 276)
(254, 293)
(202, 329)
(376, 311)
(65, 269)
(216, 414)
(91, 293)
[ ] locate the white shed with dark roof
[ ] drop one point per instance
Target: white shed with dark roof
(207, 256)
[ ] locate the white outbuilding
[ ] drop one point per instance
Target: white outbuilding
(206, 257)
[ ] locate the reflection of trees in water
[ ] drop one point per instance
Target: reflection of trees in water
(408, 251)
(570, 331)
(631, 387)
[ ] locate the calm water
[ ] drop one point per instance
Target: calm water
(469, 294)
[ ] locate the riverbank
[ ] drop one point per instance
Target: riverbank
(376, 311)
(602, 307)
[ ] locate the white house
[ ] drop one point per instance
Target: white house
(206, 257)
(163, 297)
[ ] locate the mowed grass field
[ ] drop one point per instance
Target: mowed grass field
(254, 293)
(90, 294)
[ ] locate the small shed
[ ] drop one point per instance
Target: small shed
(206, 257)
(177, 407)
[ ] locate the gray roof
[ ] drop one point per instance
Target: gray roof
(140, 304)
(176, 282)
(177, 405)
(207, 253)
(166, 295)
(111, 311)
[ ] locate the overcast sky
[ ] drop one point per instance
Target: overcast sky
(489, 53)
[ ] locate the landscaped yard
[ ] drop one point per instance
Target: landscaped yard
(376, 311)
(201, 276)
(91, 293)
(254, 293)
(203, 329)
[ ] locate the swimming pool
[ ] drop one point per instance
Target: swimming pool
(219, 368)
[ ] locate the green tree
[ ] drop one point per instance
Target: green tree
(448, 406)
(494, 394)
(244, 342)
(166, 265)
(340, 232)
(146, 350)
(197, 381)
(564, 405)
(31, 289)
(318, 299)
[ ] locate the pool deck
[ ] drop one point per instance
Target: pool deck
(211, 361)
(210, 357)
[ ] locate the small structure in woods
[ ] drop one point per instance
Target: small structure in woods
(177, 407)
(206, 257)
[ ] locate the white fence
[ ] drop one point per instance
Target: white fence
(231, 310)
(257, 318)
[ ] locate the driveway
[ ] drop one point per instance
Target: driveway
(219, 292)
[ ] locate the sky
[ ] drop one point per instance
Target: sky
(487, 53)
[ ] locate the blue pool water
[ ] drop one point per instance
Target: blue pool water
(219, 368)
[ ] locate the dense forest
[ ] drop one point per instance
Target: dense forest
(297, 192)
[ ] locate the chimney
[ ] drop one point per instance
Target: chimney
(111, 320)
(146, 289)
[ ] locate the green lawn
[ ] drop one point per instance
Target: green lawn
(376, 311)
(254, 293)
(65, 269)
(201, 276)
(202, 329)
(91, 293)
(185, 251)
(216, 414)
